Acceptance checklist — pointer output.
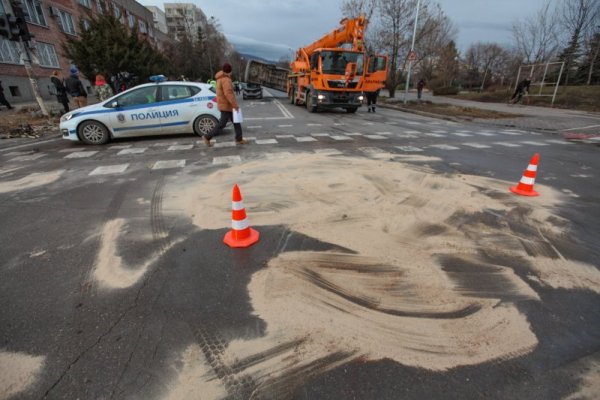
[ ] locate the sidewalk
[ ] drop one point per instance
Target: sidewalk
(526, 117)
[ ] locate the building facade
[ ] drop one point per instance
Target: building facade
(184, 19)
(51, 22)
(160, 19)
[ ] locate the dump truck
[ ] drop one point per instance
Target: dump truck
(335, 71)
(266, 74)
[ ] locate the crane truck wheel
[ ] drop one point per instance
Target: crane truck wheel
(309, 103)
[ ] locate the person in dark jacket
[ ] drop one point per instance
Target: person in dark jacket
(75, 88)
(372, 100)
(522, 88)
(3, 99)
(60, 90)
(420, 87)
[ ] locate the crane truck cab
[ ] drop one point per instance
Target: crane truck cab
(332, 72)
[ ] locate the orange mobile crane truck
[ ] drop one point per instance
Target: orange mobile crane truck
(331, 72)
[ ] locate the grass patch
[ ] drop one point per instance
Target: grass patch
(584, 98)
(452, 110)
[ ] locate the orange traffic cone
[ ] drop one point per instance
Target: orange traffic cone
(525, 186)
(241, 235)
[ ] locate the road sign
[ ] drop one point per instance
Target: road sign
(412, 55)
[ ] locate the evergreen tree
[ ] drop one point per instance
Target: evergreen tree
(108, 47)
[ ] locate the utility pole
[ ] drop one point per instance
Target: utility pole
(412, 49)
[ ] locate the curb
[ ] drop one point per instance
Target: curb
(424, 113)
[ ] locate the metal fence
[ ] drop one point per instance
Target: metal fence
(542, 75)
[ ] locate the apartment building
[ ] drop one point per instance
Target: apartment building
(51, 21)
(184, 19)
(160, 19)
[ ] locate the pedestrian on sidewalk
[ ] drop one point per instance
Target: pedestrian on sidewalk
(76, 89)
(420, 87)
(103, 89)
(522, 88)
(3, 99)
(372, 100)
(226, 103)
(60, 91)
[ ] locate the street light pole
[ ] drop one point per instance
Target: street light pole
(412, 48)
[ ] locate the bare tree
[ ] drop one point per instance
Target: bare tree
(354, 8)
(537, 39)
(484, 60)
(578, 17)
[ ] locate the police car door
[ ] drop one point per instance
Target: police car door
(178, 108)
(136, 113)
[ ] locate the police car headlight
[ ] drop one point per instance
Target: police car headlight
(67, 117)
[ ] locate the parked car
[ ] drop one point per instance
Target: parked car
(252, 91)
(149, 109)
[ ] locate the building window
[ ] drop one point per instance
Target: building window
(86, 24)
(65, 21)
(9, 52)
(143, 27)
(34, 11)
(130, 19)
(85, 3)
(46, 54)
(100, 6)
(117, 12)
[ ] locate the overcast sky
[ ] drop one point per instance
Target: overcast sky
(275, 28)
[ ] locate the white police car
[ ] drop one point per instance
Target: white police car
(151, 109)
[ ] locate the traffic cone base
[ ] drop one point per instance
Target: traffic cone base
(232, 239)
(515, 189)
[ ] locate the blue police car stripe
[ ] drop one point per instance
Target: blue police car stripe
(159, 104)
(150, 126)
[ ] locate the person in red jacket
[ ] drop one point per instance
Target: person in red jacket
(227, 103)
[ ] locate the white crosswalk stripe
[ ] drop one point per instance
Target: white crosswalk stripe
(477, 145)
(409, 148)
(511, 133)
(436, 135)
(532, 143)
(224, 144)
(134, 150)
(444, 147)
(341, 138)
(166, 164)
(320, 134)
(284, 136)
(488, 134)
(266, 141)
(110, 169)
(180, 147)
(119, 146)
(505, 144)
(461, 134)
(376, 137)
(559, 141)
(227, 160)
(305, 139)
(30, 157)
(353, 134)
(81, 154)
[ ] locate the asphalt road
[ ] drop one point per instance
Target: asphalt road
(92, 344)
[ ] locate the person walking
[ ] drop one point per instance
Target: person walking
(60, 91)
(3, 99)
(372, 100)
(226, 103)
(103, 89)
(420, 87)
(522, 88)
(75, 88)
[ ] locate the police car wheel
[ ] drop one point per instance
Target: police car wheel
(204, 124)
(93, 132)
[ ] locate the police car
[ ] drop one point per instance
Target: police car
(159, 108)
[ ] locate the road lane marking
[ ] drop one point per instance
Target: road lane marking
(444, 147)
(110, 169)
(132, 151)
(227, 160)
(510, 133)
(305, 139)
(320, 134)
(437, 135)
(407, 135)
(353, 134)
(507, 144)
(285, 126)
(180, 147)
(559, 141)
(266, 141)
(30, 157)
(340, 137)
(284, 136)
(461, 134)
(119, 146)
(477, 145)
(81, 154)
(375, 137)
(166, 164)
(408, 148)
(313, 125)
(488, 134)
(254, 127)
(583, 127)
(532, 143)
